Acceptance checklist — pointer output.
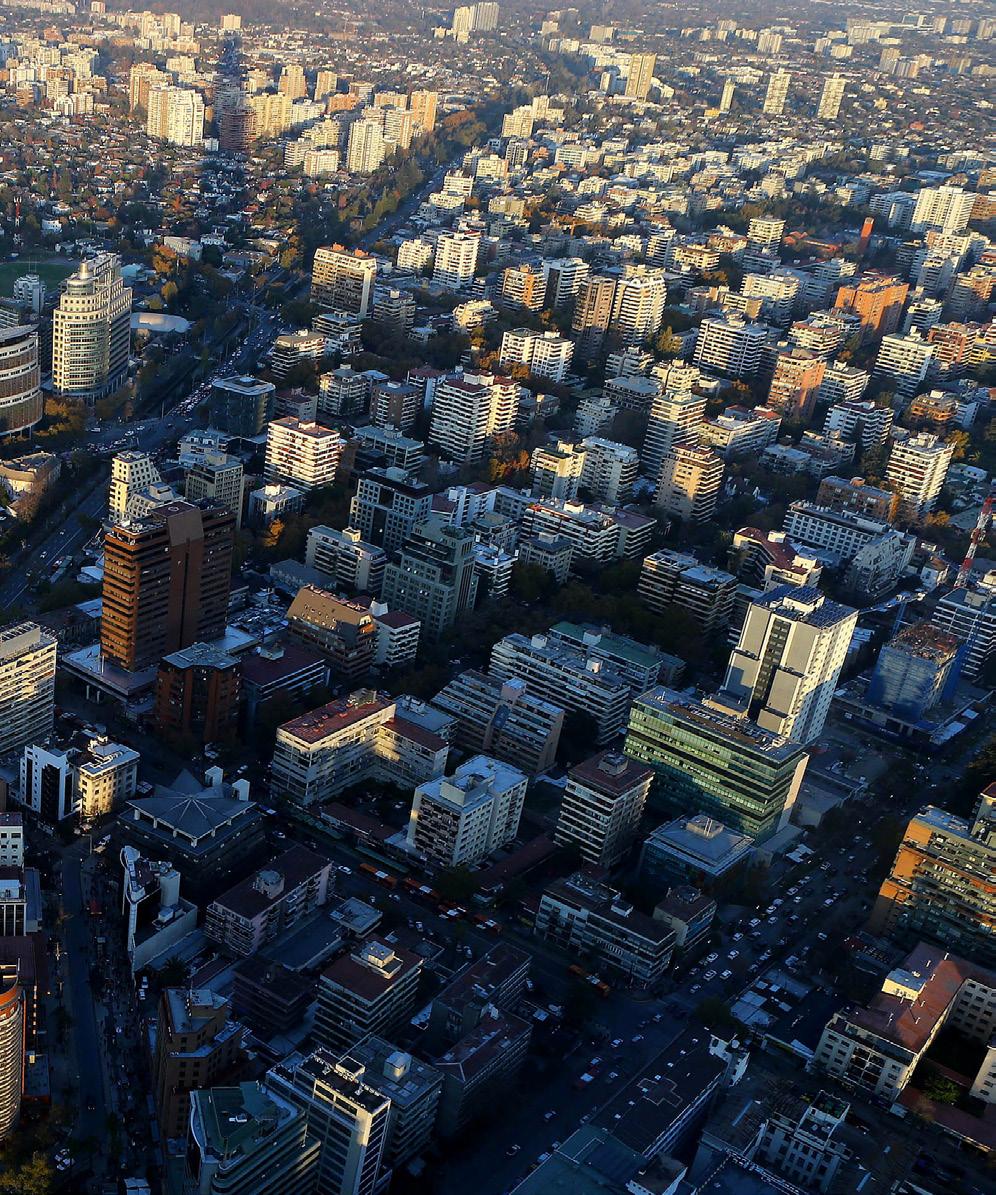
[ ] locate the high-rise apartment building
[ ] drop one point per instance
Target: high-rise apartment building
(831, 98)
(455, 260)
(602, 805)
(969, 612)
(916, 470)
(690, 482)
(301, 453)
(343, 280)
(342, 556)
(544, 354)
(27, 685)
(675, 418)
(638, 304)
(292, 81)
(372, 990)
(167, 578)
(707, 760)
(876, 300)
(432, 576)
(91, 331)
(175, 114)
(795, 383)
(593, 313)
(21, 402)
(348, 1118)
(12, 1033)
(197, 1045)
(524, 286)
(730, 346)
(106, 778)
(422, 105)
(469, 410)
(903, 362)
(556, 470)
(640, 76)
(48, 783)
(675, 580)
(610, 469)
(784, 669)
(219, 481)
(940, 885)
(726, 99)
(948, 209)
(136, 485)
(367, 146)
(776, 93)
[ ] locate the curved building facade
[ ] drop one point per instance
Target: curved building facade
(21, 402)
(11, 1055)
(91, 331)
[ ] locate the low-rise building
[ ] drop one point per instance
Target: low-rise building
(372, 990)
(676, 580)
(693, 850)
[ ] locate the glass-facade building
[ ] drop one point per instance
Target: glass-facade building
(707, 760)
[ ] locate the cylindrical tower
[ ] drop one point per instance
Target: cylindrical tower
(11, 1055)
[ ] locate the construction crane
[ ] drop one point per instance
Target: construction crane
(979, 532)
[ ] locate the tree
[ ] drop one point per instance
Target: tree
(714, 1014)
(34, 1177)
(939, 1088)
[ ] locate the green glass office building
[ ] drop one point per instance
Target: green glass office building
(707, 759)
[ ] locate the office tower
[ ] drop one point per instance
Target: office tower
(916, 470)
(458, 820)
(566, 676)
(91, 331)
(343, 280)
(940, 884)
(777, 93)
(349, 1119)
(602, 805)
(675, 418)
(242, 406)
(970, 613)
(387, 505)
(21, 402)
(469, 411)
(372, 990)
(197, 1045)
(831, 98)
(136, 485)
(48, 783)
(106, 778)
(344, 558)
(167, 578)
(913, 671)
(432, 576)
(303, 454)
(795, 383)
(640, 77)
(708, 760)
(12, 1031)
(876, 300)
(730, 346)
(366, 148)
(247, 1140)
(455, 260)
(670, 579)
(726, 99)
(543, 354)
(784, 669)
(422, 105)
(502, 719)
(689, 483)
(948, 209)
(593, 314)
(556, 470)
(27, 685)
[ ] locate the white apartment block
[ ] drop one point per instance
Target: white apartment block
(840, 534)
(106, 778)
(864, 423)
(175, 114)
(904, 362)
(970, 613)
(415, 254)
(460, 819)
(367, 147)
(842, 384)
(690, 482)
(91, 331)
(638, 306)
(675, 418)
(563, 276)
(916, 470)
(783, 672)
(27, 685)
(342, 280)
(343, 557)
(455, 260)
(544, 354)
(132, 474)
(730, 346)
(469, 410)
(831, 98)
(946, 208)
(556, 470)
(302, 454)
(776, 93)
(740, 431)
(610, 469)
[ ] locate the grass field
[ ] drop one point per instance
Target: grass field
(51, 269)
